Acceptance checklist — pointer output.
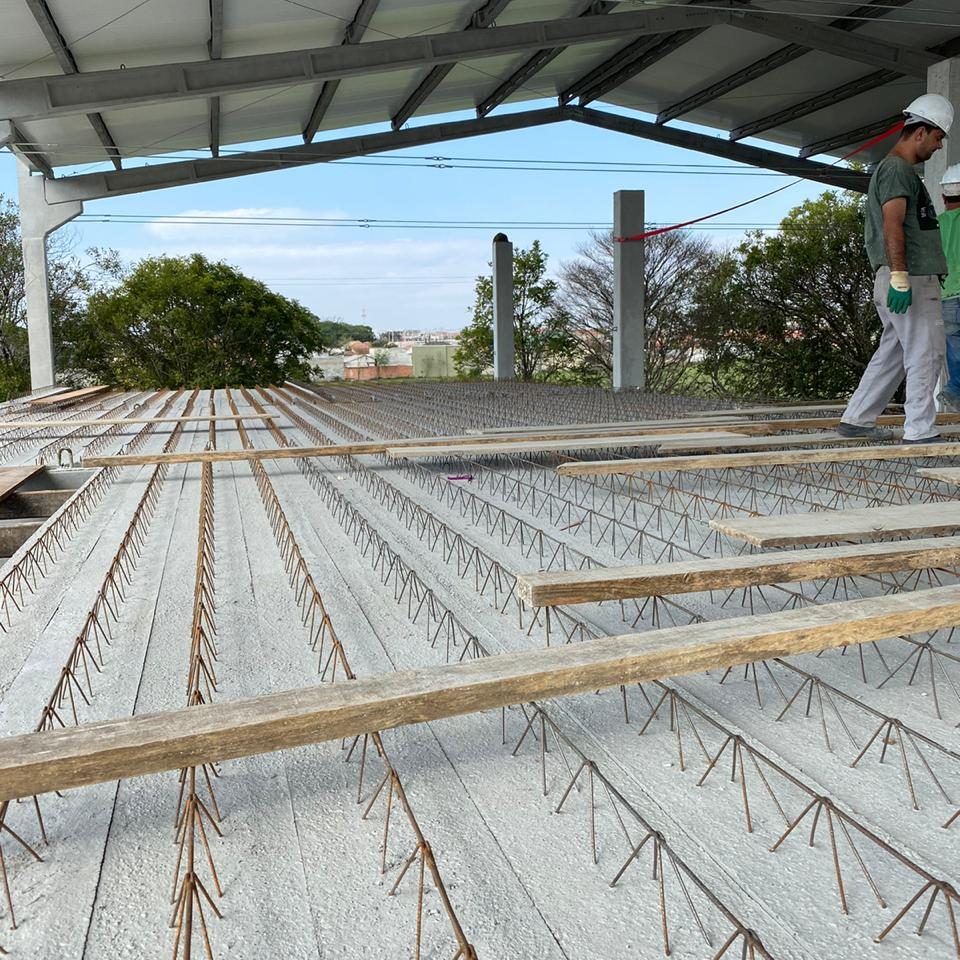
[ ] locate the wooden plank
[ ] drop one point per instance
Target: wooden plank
(613, 426)
(751, 570)
(111, 421)
(436, 446)
(73, 396)
(871, 523)
(739, 461)
(487, 449)
(816, 423)
(946, 474)
(714, 442)
(13, 477)
(94, 753)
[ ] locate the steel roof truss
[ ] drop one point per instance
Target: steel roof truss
(215, 50)
(738, 152)
(23, 149)
(847, 137)
(779, 58)
(536, 63)
(629, 67)
(140, 179)
(811, 105)
(353, 34)
(46, 97)
(58, 45)
(480, 20)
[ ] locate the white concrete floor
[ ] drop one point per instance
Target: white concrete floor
(300, 866)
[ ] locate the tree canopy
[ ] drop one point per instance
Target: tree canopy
(174, 321)
(541, 341)
(791, 314)
(335, 333)
(676, 264)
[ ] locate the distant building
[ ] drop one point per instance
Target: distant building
(434, 360)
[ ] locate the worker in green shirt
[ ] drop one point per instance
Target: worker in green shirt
(902, 238)
(950, 294)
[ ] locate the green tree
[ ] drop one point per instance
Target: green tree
(381, 358)
(542, 343)
(72, 280)
(675, 264)
(175, 321)
(333, 332)
(791, 314)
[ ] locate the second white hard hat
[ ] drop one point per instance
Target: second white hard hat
(950, 181)
(930, 108)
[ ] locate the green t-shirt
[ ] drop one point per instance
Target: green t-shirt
(894, 178)
(950, 238)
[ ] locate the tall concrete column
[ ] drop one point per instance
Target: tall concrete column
(944, 78)
(629, 349)
(503, 362)
(38, 220)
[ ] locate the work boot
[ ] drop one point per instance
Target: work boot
(950, 401)
(852, 431)
(936, 438)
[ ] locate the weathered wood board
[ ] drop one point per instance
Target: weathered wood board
(71, 757)
(715, 442)
(946, 474)
(112, 421)
(738, 461)
(691, 576)
(871, 523)
(13, 477)
(487, 449)
(72, 396)
(436, 446)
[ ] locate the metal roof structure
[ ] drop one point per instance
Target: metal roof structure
(119, 79)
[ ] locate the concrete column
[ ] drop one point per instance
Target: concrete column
(944, 78)
(38, 220)
(503, 362)
(629, 350)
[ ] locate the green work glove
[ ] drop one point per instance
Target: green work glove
(899, 296)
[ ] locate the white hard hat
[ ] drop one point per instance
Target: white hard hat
(950, 181)
(930, 108)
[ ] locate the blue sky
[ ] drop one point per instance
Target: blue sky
(423, 278)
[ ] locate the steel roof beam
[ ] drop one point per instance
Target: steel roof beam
(625, 65)
(811, 105)
(848, 137)
(353, 34)
(13, 138)
(95, 186)
(480, 20)
(771, 62)
(536, 63)
(738, 152)
(215, 51)
(948, 48)
(58, 45)
(47, 97)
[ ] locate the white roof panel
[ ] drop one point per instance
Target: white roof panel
(107, 34)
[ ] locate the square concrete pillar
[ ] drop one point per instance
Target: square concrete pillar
(629, 347)
(944, 78)
(503, 358)
(38, 219)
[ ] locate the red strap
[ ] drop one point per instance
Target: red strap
(896, 128)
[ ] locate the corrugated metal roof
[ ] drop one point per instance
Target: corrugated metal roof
(107, 35)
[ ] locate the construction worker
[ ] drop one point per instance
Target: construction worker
(950, 294)
(903, 244)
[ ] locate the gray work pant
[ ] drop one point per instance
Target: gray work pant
(911, 346)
